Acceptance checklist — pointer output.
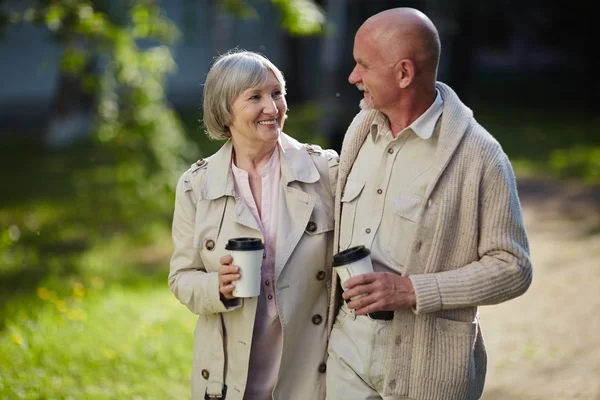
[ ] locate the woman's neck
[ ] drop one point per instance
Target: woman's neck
(251, 158)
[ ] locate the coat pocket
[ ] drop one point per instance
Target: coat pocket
(406, 208)
(350, 197)
(453, 350)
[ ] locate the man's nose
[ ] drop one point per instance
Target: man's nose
(353, 78)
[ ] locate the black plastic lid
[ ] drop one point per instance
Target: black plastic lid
(244, 244)
(350, 255)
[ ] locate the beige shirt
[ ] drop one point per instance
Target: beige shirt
(386, 186)
(265, 353)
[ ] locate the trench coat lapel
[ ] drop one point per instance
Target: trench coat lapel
(295, 205)
(220, 183)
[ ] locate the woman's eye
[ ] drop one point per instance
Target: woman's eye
(277, 94)
(255, 97)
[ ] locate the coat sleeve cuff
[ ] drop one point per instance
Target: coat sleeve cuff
(214, 297)
(427, 292)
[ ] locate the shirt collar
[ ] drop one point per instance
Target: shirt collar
(422, 126)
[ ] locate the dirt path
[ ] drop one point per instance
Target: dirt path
(546, 344)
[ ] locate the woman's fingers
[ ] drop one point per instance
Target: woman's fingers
(227, 279)
(227, 274)
(228, 269)
(227, 291)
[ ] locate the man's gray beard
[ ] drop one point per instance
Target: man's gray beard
(364, 106)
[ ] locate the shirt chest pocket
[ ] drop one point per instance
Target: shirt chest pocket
(406, 208)
(350, 197)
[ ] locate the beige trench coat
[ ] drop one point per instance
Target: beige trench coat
(208, 213)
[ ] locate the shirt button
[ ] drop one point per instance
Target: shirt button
(429, 203)
(418, 246)
(270, 297)
(320, 275)
(210, 244)
(322, 368)
(205, 374)
(311, 227)
(264, 255)
(267, 283)
(379, 191)
(368, 230)
(390, 150)
(317, 319)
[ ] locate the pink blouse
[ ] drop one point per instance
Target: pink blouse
(265, 353)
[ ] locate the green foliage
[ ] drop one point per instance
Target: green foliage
(298, 17)
(132, 116)
(577, 162)
(301, 17)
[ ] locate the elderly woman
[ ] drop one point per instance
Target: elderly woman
(262, 184)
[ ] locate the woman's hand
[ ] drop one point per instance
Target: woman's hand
(227, 274)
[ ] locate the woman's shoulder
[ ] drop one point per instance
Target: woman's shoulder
(314, 150)
(191, 177)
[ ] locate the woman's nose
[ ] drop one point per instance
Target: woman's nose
(270, 107)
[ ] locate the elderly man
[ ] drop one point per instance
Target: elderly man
(433, 197)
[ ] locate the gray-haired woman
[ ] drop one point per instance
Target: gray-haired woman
(264, 184)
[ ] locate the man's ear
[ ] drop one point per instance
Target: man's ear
(405, 73)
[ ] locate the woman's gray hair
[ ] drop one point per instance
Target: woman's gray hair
(230, 75)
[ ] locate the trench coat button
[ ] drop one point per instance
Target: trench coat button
(311, 227)
(205, 374)
(322, 368)
(321, 275)
(379, 191)
(368, 230)
(317, 319)
(418, 247)
(270, 297)
(210, 244)
(390, 150)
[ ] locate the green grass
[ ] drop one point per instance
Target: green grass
(100, 341)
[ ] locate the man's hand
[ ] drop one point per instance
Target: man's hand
(383, 291)
(227, 275)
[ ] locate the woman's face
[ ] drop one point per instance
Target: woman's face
(259, 113)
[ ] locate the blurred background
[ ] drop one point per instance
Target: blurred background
(100, 113)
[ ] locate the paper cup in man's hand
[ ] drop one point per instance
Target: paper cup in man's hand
(352, 262)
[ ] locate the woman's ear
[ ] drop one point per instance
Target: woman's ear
(405, 73)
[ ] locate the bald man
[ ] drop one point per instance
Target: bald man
(433, 197)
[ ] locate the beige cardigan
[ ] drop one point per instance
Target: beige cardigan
(469, 249)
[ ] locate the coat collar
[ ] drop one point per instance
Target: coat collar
(296, 165)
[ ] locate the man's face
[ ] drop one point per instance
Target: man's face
(372, 74)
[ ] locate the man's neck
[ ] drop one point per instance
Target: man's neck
(407, 111)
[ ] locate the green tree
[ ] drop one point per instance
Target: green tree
(104, 63)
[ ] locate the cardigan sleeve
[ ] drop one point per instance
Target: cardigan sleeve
(503, 270)
(192, 285)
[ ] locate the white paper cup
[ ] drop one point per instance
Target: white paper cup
(352, 262)
(247, 254)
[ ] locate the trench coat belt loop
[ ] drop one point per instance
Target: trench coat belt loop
(215, 390)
